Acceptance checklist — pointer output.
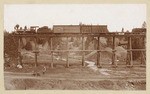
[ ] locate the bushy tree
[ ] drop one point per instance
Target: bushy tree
(10, 45)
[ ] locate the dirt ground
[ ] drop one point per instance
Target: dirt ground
(76, 77)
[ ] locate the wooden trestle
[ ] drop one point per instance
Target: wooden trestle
(83, 35)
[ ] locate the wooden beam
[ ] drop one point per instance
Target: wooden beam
(36, 63)
(113, 55)
(128, 52)
(19, 52)
(93, 50)
(36, 52)
(143, 53)
(19, 44)
(51, 48)
(130, 45)
(83, 53)
(98, 54)
(78, 35)
(67, 61)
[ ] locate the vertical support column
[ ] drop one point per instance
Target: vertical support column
(19, 46)
(51, 49)
(143, 59)
(19, 52)
(130, 45)
(144, 52)
(113, 56)
(36, 64)
(98, 53)
(36, 52)
(128, 52)
(83, 53)
(67, 52)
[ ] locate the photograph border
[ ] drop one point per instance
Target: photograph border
(2, 89)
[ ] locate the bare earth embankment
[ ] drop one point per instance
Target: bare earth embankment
(76, 77)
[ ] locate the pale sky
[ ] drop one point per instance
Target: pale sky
(116, 16)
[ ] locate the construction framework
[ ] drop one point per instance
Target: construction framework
(113, 35)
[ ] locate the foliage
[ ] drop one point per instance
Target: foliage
(10, 45)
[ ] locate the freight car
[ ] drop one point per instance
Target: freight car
(94, 29)
(139, 30)
(80, 29)
(44, 30)
(66, 29)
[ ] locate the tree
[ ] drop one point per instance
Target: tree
(122, 30)
(144, 25)
(10, 45)
(16, 27)
(25, 28)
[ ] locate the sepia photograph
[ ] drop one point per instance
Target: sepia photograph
(74, 46)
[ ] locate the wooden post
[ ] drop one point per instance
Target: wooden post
(129, 55)
(130, 45)
(51, 48)
(113, 56)
(128, 52)
(36, 52)
(67, 54)
(36, 64)
(83, 53)
(19, 52)
(144, 52)
(19, 46)
(143, 59)
(98, 53)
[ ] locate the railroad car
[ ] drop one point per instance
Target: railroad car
(44, 30)
(66, 29)
(94, 29)
(80, 29)
(139, 30)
